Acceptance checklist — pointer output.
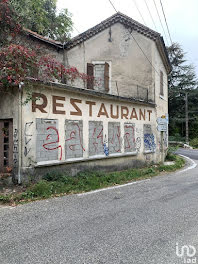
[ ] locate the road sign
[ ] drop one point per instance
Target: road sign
(162, 127)
(162, 121)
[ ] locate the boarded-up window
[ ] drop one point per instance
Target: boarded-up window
(96, 138)
(129, 137)
(114, 137)
(161, 83)
(47, 140)
(74, 139)
(90, 73)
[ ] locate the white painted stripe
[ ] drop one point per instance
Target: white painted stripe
(194, 164)
(113, 187)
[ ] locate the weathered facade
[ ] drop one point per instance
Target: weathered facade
(107, 124)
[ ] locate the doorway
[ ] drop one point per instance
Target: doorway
(6, 145)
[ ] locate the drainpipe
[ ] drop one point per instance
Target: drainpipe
(20, 132)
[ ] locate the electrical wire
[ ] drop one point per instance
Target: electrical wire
(166, 22)
(139, 11)
(160, 21)
(146, 56)
(113, 6)
(150, 15)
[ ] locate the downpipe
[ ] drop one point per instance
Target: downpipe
(20, 131)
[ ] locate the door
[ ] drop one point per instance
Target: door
(6, 145)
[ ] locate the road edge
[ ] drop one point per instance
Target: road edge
(191, 166)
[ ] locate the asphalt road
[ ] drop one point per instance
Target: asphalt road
(191, 153)
(139, 223)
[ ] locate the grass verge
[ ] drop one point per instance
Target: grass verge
(57, 184)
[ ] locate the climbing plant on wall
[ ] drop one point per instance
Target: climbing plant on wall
(19, 64)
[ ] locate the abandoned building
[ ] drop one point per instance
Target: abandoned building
(107, 125)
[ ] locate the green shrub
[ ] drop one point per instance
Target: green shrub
(170, 156)
(176, 137)
(55, 176)
(41, 189)
(194, 143)
(4, 198)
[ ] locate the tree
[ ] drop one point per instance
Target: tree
(182, 79)
(40, 16)
(10, 23)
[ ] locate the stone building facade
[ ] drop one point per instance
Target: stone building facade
(108, 124)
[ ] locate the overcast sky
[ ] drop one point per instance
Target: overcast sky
(182, 18)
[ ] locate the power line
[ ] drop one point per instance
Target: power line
(166, 22)
(139, 12)
(160, 21)
(113, 6)
(150, 15)
(146, 56)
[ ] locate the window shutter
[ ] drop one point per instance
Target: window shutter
(90, 73)
(106, 77)
(161, 83)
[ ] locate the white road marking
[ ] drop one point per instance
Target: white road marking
(112, 188)
(194, 164)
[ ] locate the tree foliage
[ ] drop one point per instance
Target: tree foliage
(10, 23)
(43, 17)
(40, 16)
(182, 79)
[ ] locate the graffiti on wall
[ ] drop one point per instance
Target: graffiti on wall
(129, 137)
(96, 146)
(114, 137)
(53, 144)
(74, 139)
(149, 139)
(105, 145)
(28, 138)
(138, 141)
(48, 145)
(48, 140)
(15, 147)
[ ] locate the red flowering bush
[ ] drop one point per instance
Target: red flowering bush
(9, 21)
(18, 63)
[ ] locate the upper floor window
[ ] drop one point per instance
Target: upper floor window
(161, 83)
(100, 72)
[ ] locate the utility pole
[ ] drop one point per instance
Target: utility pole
(186, 108)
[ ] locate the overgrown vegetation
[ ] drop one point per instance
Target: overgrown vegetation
(194, 143)
(182, 80)
(18, 64)
(57, 184)
(41, 16)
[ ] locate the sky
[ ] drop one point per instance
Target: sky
(181, 15)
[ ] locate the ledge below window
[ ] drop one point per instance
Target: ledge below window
(75, 160)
